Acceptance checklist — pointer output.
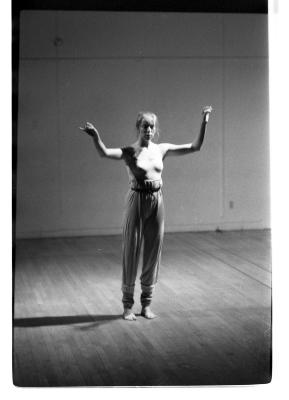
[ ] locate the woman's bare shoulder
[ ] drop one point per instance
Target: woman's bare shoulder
(130, 147)
(164, 147)
(128, 152)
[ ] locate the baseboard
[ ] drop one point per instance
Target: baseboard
(198, 227)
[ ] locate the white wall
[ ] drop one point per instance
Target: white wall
(109, 66)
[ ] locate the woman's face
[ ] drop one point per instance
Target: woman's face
(147, 128)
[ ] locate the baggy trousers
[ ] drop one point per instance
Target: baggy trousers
(144, 223)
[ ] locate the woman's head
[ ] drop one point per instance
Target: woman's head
(147, 123)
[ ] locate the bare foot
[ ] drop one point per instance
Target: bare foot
(128, 315)
(147, 313)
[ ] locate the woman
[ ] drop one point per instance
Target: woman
(144, 217)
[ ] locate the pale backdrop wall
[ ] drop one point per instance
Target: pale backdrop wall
(104, 67)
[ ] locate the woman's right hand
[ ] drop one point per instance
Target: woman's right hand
(89, 129)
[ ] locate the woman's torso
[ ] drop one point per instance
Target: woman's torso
(143, 163)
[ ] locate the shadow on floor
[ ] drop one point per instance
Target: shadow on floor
(94, 320)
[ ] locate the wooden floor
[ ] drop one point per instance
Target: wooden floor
(213, 302)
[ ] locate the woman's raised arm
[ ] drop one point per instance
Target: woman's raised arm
(182, 149)
(115, 154)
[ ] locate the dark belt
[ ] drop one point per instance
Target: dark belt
(146, 186)
(146, 190)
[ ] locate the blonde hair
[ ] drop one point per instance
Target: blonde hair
(142, 115)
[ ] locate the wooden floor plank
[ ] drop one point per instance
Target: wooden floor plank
(244, 245)
(228, 254)
(213, 301)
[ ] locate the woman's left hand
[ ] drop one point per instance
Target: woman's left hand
(206, 112)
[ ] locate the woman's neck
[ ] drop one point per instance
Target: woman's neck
(144, 143)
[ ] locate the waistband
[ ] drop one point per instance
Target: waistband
(146, 185)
